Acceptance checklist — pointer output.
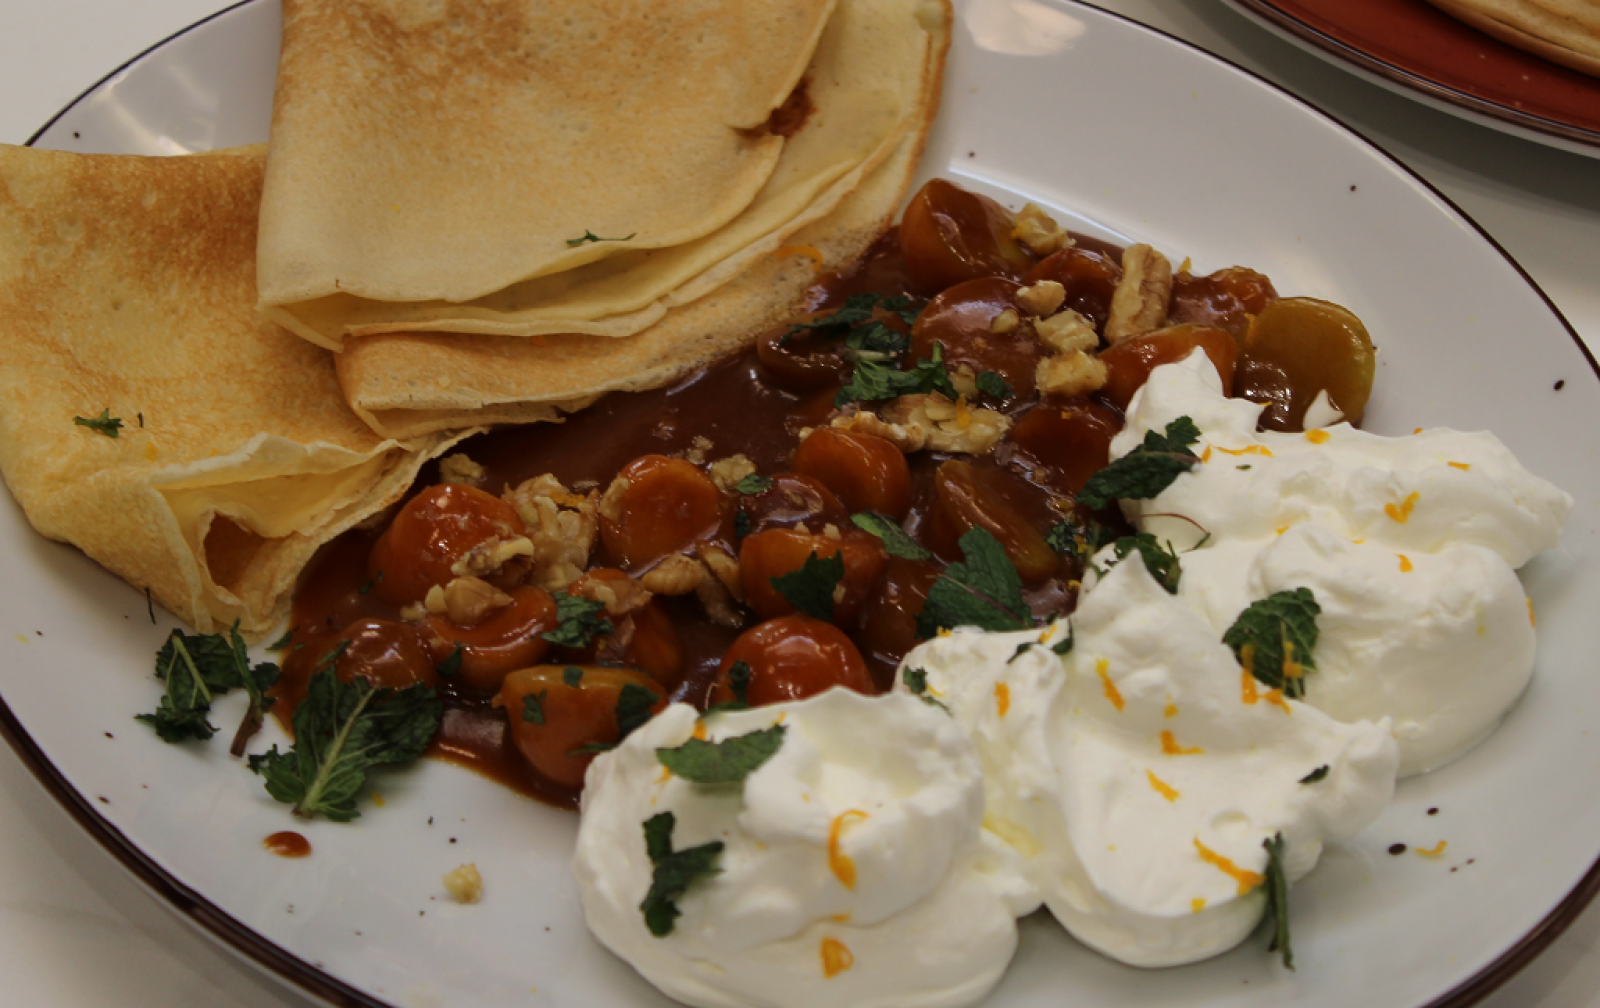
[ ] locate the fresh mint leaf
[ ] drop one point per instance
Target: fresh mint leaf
(1147, 470)
(1275, 639)
(451, 665)
(741, 523)
(727, 762)
(572, 675)
(282, 642)
(990, 383)
(916, 680)
(857, 309)
(1277, 885)
(1161, 561)
(753, 484)
(105, 423)
(982, 591)
(810, 589)
(675, 872)
(341, 732)
(256, 680)
(533, 707)
(1063, 646)
(895, 538)
(1021, 649)
(871, 381)
(874, 341)
(739, 684)
(578, 621)
(590, 236)
(1320, 773)
(199, 667)
(633, 707)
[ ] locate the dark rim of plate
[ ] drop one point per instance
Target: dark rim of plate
(1276, 17)
(317, 982)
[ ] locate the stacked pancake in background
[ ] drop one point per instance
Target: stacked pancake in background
(494, 211)
(1563, 31)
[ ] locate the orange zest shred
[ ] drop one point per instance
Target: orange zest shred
(1171, 711)
(836, 957)
(841, 864)
(666, 775)
(1170, 746)
(700, 730)
(801, 250)
(1197, 904)
(1405, 563)
(963, 414)
(1291, 668)
(1247, 683)
(1433, 851)
(1002, 698)
(1401, 512)
(840, 918)
(1254, 449)
(377, 799)
(1461, 465)
(1164, 789)
(1417, 431)
(1317, 436)
(1532, 619)
(1102, 668)
(1207, 456)
(1247, 880)
(1275, 698)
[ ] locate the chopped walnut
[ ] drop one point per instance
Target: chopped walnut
(964, 380)
(951, 426)
(675, 575)
(465, 884)
(725, 473)
(497, 558)
(434, 603)
(724, 567)
(611, 503)
(1140, 302)
(831, 531)
(619, 595)
(718, 603)
(1039, 231)
(467, 600)
(1006, 321)
(1066, 332)
(1071, 374)
(561, 527)
(697, 450)
(1042, 299)
(906, 437)
(415, 612)
(458, 468)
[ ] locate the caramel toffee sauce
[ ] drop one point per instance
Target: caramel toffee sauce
(287, 844)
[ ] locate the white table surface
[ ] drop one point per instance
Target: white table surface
(76, 931)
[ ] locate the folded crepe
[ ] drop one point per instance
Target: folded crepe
(408, 384)
(127, 291)
(427, 155)
(1563, 31)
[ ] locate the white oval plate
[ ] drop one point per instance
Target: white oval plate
(1128, 133)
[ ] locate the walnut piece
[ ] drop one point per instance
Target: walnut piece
(698, 448)
(458, 468)
(964, 380)
(675, 575)
(467, 600)
(951, 426)
(497, 557)
(1041, 299)
(1141, 298)
(718, 603)
(465, 884)
(1006, 321)
(725, 473)
(906, 437)
(1071, 374)
(611, 503)
(724, 567)
(620, 596)
(1066, 331)
(1039, 231)
(561, 528)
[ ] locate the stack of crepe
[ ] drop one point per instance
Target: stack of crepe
(474, 212)
(1563, 31)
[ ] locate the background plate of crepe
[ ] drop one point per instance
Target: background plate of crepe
(1040, 103)
(1417, 49)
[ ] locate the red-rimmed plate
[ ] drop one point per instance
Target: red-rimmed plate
(1417, 49)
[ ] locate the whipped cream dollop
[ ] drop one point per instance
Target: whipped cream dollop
(1408, 543)
(1139, 773)
(855, 870)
